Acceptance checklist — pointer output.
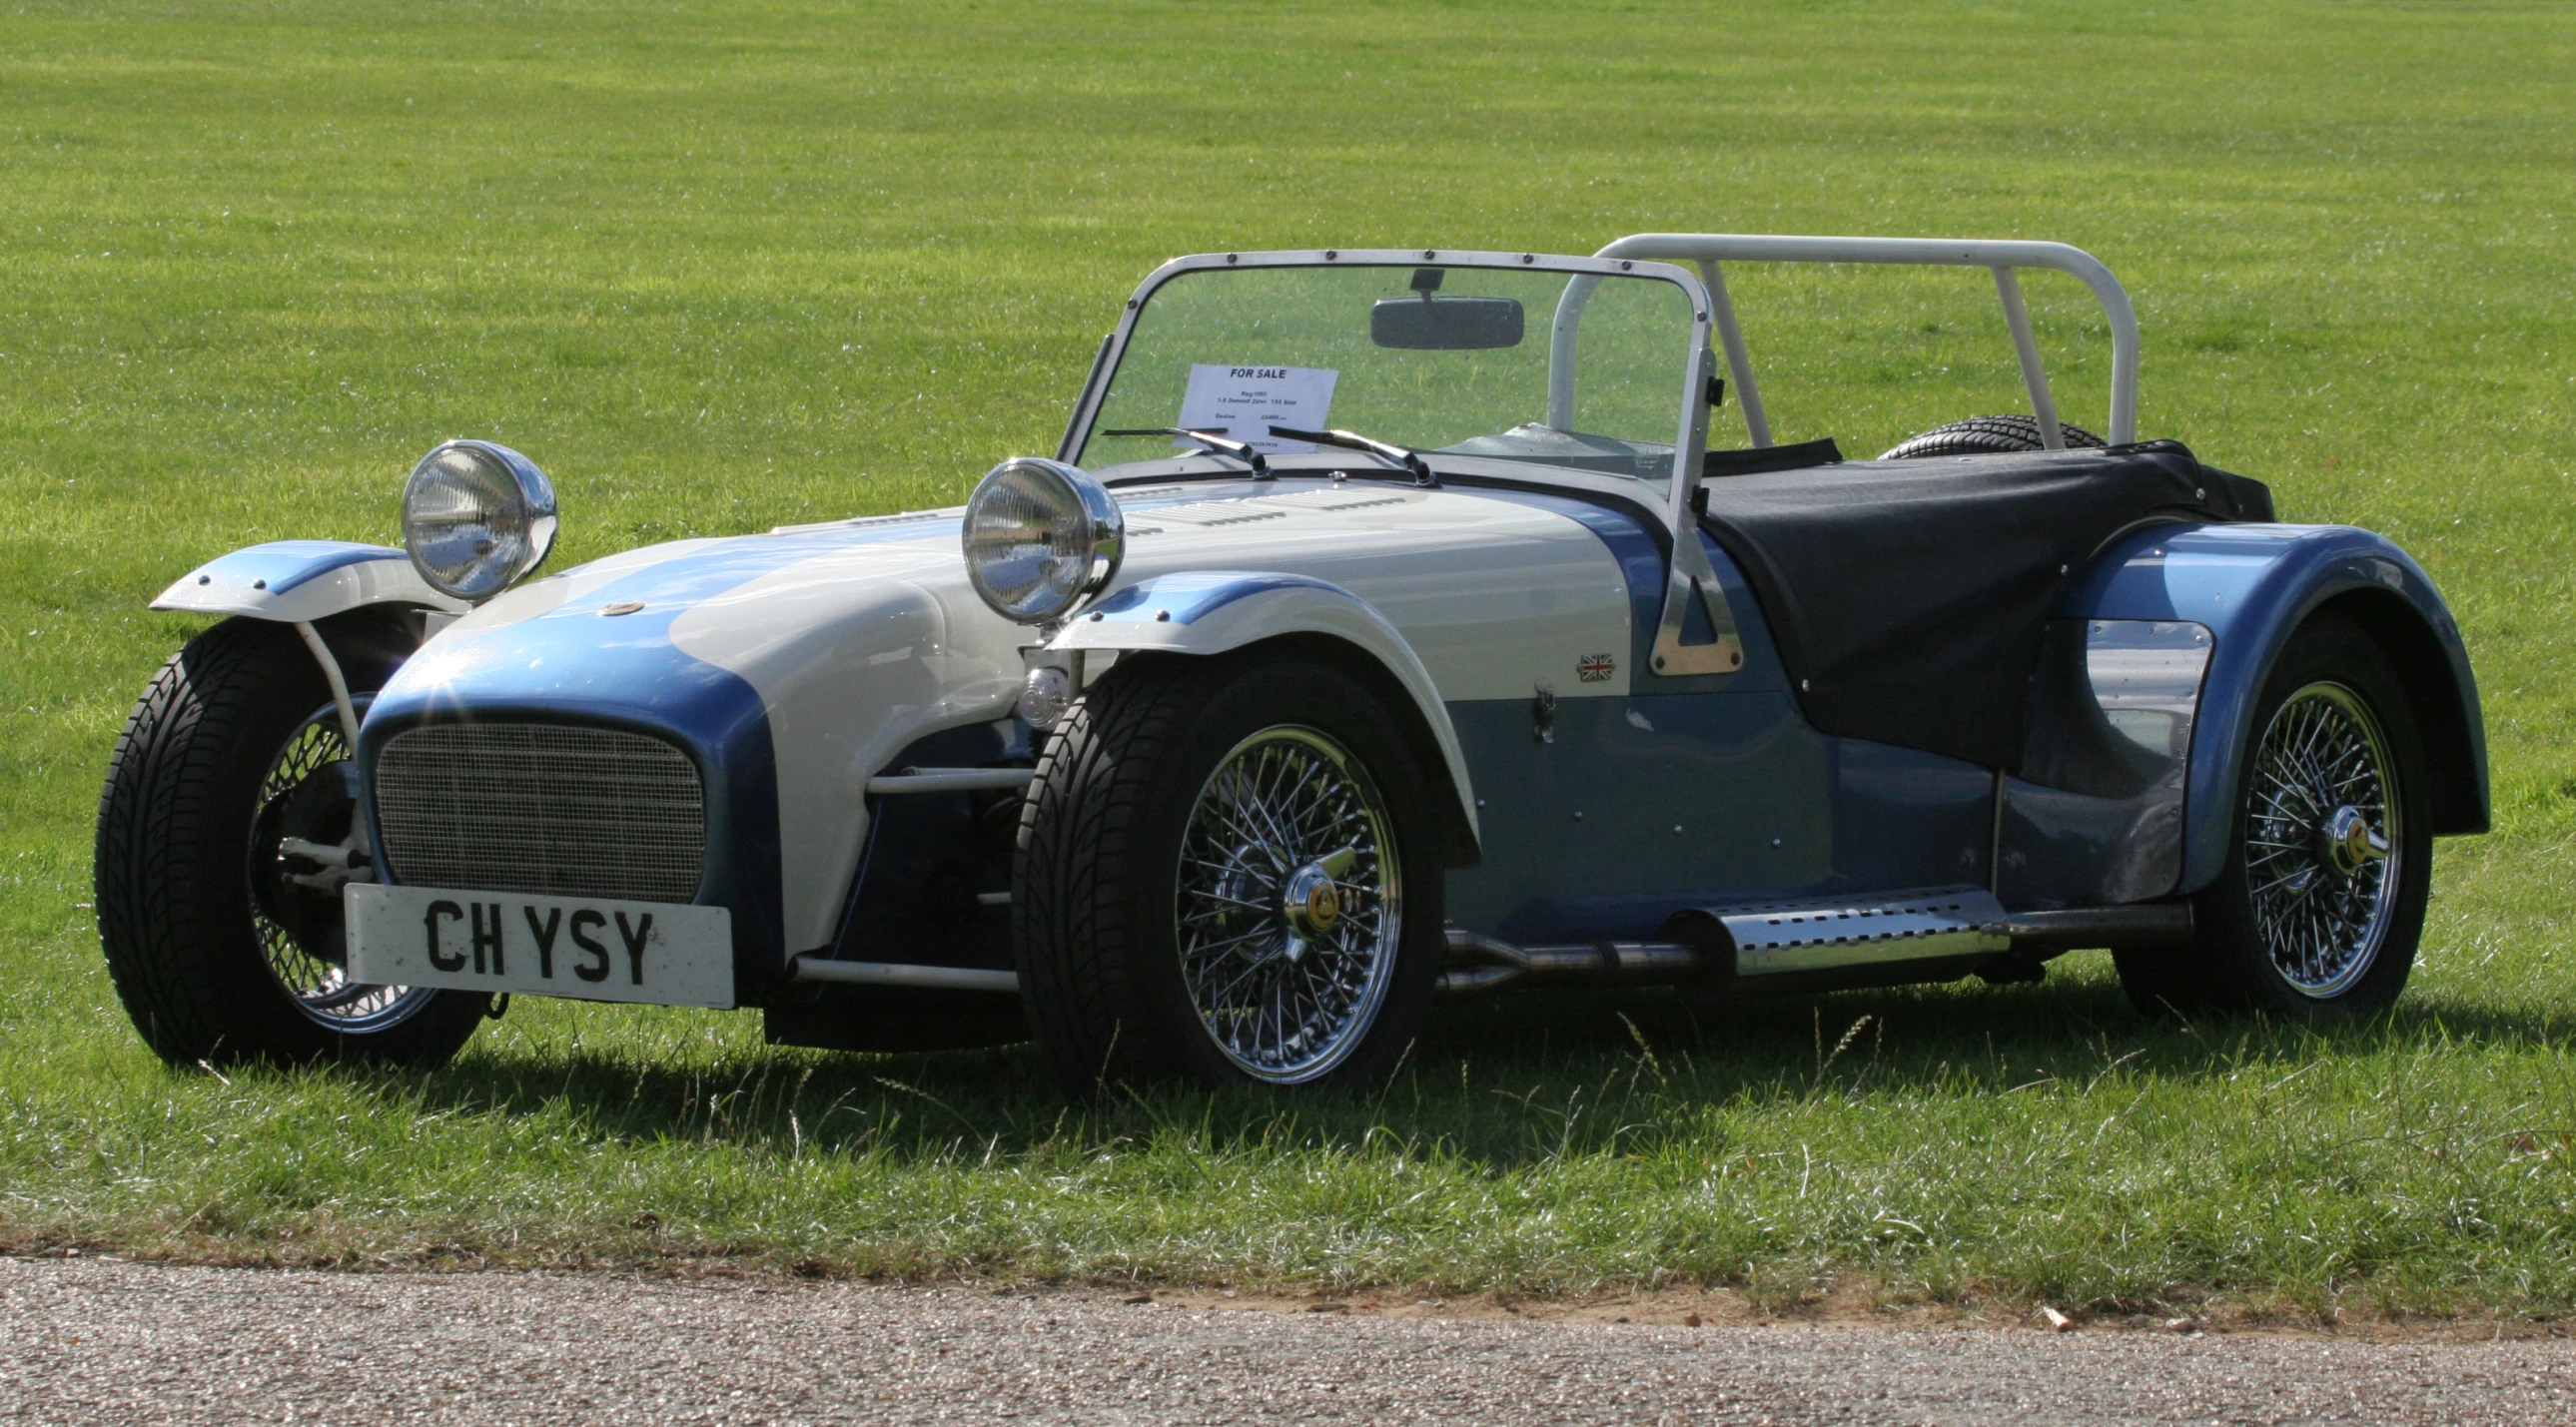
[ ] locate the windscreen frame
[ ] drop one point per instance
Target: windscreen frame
(1690, 437)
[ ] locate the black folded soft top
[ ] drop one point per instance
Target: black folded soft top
(1909, 598)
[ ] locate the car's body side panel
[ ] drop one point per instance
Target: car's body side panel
(2252, 586)
(2094, 817)
(298, 581)
(1643, 805)
(1764, 805)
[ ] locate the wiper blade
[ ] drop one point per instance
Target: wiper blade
(1211, 443)
(1404, 456)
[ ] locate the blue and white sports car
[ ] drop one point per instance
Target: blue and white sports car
(1386, 628)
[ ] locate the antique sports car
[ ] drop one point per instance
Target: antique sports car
(1385, 629)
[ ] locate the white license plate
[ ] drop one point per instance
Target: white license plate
(590, 948)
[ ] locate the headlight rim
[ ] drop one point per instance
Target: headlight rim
(535, 493)
(1105, 537)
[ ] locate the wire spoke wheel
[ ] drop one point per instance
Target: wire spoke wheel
(306, 800)
(227, 831)
(2324, 850)
(1209, 880)
(1289, 906)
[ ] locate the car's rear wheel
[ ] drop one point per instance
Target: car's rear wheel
(1986, 435)
(1227, 869)
(228, 811)
(2320, 906)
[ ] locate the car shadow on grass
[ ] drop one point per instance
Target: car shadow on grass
(1503, 1083)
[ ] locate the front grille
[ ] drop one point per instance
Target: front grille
(553, 809)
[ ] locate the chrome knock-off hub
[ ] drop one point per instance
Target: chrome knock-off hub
(2346, 840)
(2321, 840)
(1312, 904)
(1289, 911)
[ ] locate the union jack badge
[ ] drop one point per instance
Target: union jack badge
(1595, 668)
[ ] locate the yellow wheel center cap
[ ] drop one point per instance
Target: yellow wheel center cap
(2350, 842)
(1323, 905)
(1313, 901)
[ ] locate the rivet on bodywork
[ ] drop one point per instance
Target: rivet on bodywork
(259, 584)
(1163, 615)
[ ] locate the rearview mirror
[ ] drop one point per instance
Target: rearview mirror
(1446, 324)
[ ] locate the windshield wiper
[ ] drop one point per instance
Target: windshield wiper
(1211, 443)
(1404, 456)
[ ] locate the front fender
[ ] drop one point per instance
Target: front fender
(2253, 586)
(299, 581)
(1215, 611)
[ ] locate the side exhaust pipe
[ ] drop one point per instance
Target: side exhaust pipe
(2144, 925)
(1479, 964)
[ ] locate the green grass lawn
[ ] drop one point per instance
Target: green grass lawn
(719, 267)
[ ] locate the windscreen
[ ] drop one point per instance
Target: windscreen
(1439, 359)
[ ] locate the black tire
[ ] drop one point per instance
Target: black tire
(233, 747)
(1099, 888)
(1984, 436)
(2302, 923)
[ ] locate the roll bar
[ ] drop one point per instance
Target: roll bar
(2001, 256)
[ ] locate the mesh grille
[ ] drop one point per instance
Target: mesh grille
(553, 809)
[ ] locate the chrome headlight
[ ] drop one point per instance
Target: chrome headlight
(1040, 537)
(476, 517)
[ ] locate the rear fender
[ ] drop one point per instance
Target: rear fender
(1206, 612)
(300, 581)
(2253, 586)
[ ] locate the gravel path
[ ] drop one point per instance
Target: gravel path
(87, 1341)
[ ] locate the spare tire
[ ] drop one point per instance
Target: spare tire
(1985, 435)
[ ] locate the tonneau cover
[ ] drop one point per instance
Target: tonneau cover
(1909, 598)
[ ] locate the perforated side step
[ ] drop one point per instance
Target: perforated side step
(1777, 937)
(1806, 935)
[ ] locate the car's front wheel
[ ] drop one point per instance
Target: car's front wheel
(1227, 869)
(2330, 861)
(225, 830)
